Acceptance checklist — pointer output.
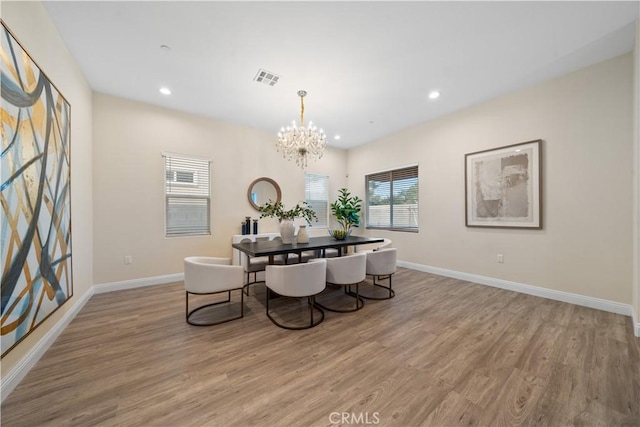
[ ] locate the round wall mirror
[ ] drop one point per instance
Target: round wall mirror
(262, 190)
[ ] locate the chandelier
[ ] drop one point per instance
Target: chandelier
(301, 142)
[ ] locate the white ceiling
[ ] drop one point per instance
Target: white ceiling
(367, 66)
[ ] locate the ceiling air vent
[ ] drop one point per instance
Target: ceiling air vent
(266, 77)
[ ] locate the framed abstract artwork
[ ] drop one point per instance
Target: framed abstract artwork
(35, 165)
(503, 187)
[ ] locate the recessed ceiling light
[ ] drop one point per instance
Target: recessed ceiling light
(434, 94)
(165, 47)
(165, 91)
(336, 137)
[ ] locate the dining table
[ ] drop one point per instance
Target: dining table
(271, 248)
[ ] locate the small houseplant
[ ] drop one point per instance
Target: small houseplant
(287, 228)
(347, 212)
(276, 210)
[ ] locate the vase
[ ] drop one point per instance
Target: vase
(287, 230)
(303, 236)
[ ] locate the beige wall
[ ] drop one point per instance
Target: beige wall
(585, 247)
(32, 26)
(128, 181)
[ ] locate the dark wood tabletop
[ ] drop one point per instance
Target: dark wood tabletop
(276, 247)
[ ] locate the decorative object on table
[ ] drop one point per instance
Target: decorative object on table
(503, 187)
(299, 142)
(35, 223)
(244, 227)
(247, 223)
(347, 212)
(255, 226)
(287, 228)
(303, 236)
(339, 233)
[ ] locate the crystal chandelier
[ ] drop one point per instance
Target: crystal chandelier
(301, 142)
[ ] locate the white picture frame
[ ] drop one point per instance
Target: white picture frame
(503, 187)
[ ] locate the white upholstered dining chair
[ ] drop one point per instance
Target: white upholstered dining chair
(381, 265)
(374, 246)
(304, 280)
(208, 276)
(345, 272)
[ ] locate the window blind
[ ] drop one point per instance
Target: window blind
(392, 199)
(316, 189)
(187, 195)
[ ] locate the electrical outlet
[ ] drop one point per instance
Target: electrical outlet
(500, 258)
(128, 259)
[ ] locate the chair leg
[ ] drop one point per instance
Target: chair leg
(347, 291)
(190, 313)
(268, 298)
(312, 306)
(376, 282)
(255, 280)
(186, 294)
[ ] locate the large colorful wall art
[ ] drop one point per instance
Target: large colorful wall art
(35, 221)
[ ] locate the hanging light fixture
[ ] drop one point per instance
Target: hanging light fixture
(301, 142)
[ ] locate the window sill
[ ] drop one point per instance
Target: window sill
(406, 230)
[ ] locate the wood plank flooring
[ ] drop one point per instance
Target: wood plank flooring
(443, 352)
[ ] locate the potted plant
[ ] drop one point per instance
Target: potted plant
(287, 228)
(347, 212)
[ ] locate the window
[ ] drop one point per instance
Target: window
(187, 195)
(392, 199)
(316, 190)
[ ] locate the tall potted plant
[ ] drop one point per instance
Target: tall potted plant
(347, 212)
(287, 228)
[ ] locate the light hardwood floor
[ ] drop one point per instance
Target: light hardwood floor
(441, 353)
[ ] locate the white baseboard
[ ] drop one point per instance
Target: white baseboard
(22, 368)
(18, 372)
(577, 299)
(137, 283)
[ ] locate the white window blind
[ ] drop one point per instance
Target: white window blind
(316, 190)
(187, 195)
(392, 199)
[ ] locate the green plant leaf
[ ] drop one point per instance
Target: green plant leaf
(347, 209)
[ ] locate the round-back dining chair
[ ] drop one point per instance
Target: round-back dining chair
(304, 280)
(347, 271)
(381, 265)
(211, 275)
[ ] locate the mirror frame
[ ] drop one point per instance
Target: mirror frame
(269, 180)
